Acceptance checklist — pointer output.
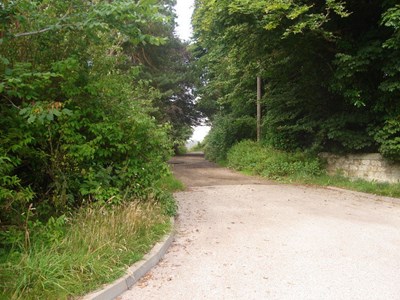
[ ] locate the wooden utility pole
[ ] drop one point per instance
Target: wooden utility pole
(259, 96)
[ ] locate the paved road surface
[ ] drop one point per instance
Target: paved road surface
(241, 237)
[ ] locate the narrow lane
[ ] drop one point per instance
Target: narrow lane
(240, 237)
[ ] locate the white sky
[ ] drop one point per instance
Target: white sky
(184, 10)
(199, 133)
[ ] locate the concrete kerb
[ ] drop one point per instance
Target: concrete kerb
(136, 271)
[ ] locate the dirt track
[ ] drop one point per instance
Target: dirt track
(240, 237)
(194, 171)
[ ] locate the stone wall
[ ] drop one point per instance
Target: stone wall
(371, 167)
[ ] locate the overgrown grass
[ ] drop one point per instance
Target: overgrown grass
(253, 158)
(378, 188)
(79, 255)
(170, 184)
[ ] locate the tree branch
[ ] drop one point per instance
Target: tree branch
(32, 32)
(41, 30)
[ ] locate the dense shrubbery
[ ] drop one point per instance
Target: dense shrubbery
(198, 147)
(262, 160)
(92, 98)
(87, 155)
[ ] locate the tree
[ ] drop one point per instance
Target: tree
(329, 68)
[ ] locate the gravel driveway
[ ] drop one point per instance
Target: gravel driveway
(241, 237)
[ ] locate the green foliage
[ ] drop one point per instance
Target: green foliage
(167, 202)
(170, 184)
(254, 158)
(93, 96)
(389, 139)
(331, 69)
(180, 149)
(198, 147)
(297, 167)
(227, 131)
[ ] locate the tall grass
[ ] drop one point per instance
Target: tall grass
(360, 185)
(298, 167)
(95, 248)
(170, 184)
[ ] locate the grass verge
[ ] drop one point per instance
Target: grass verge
(359, 185)
(75, 257)
(170, 184)
(255, 159)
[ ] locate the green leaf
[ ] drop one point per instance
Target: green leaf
(67, 112)
(31, 119)
(23, 111)
(56, 112)
(4, 60)
(50, 116)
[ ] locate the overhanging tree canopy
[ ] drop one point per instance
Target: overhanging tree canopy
(332, 71)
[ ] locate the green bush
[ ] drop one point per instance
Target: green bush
(56, 156)
(274, 164)
(389, 139)
(76, 122)
(180, 149)
(226, 131)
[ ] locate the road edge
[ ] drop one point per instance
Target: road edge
(136, 271)
(374, 197)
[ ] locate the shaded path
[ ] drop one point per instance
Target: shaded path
(243, 238)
